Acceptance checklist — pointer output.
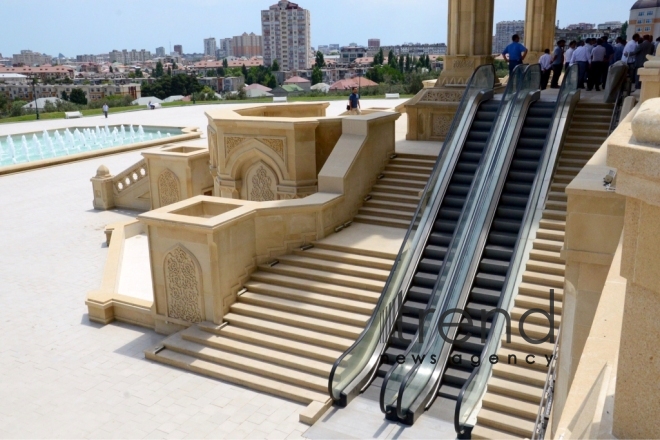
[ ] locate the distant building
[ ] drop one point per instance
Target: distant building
(373, 43)
(160, 52)
(504, 30)
(350, 53)
(416, 49)
(645, 18)
(29, 58)
(324, 49)
(42, 72)
(209, 47)
(178, 49)
(92, 92)
(286, 30)
(225, 48)
(247, 45)
(233, 83)
(129, 56)
(303, 83)
(580, 26)
(333, 47)
(568, 35)
(89, 58)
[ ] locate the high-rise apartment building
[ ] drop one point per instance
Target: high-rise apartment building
(504, 30)
(580, 26)
(247, 45)
(374, 44)
(160, 52)
(225, 47)
(178, 49)
(286, 30)
(129, 56)
(209, 46)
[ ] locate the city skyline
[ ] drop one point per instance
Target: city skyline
(57, 29)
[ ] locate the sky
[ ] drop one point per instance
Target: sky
(76, 27)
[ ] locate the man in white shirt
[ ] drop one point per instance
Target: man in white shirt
(599, 63)
(546, 67)
(629, 57)
(568, 54)
(583, 60)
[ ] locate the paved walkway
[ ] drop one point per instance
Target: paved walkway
(64, 377)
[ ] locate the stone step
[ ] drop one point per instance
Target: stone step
(556, 195)
(544, 279)
(540, 291)
(380, 221)
(546, 267)
(554, 215)
(387, 204)
(288, 331)
(398, 198)
(346, 257)
(261, 353)
(540, 363)
(337, 267)
(535, 318)
(577, 153)
(550, 234)
(548, 256)
(511, 406)
(238, 376)
(520, 372)
(402, 175)
(511, 425)
(296, 320)
(317, 352)
(483, 432)
(387, 214)
(533, 302)
(305, 285)
(305, 297)
(381, 187)
(555, 206)
(558, 225)
(548, 245)
(330, 278)
(403, 183)
(532, 330)
(409, 159)
(519, 344)
(573, 162)
(422, 170)
(516, 390)
(305, 309)
(355, 250)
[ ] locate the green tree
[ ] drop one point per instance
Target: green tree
(210, 72)
(320, 61)
(138, 73)
(17, 108)
(174, 66)
(67, 80)
(391, 60)
(110, 69)
(4, 103)
(402, 63)
(275, 67)
(220, 71)
(317, 75)
(65, 96)
(169, 71)
(159, 70)
(244, 71)
(225, 64)
(271, 81)
(416, 84)
(379, 58)
(78, 97)
(624, 30)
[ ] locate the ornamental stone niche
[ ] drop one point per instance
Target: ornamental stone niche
(169, 190)
(261, 183)
(182, 285)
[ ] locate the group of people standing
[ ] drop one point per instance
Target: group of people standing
(593, 57)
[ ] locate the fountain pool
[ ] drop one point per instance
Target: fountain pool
(49, 144)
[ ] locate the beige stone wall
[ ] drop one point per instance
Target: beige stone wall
(540, 22)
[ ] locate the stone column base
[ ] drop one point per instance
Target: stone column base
(458, 69)
(431, 112)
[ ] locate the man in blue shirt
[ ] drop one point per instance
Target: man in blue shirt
(354, 102)
(514, 53)
(557, 63)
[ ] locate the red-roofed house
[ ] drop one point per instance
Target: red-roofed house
(347, 84)
(43, 72)
(303, 83)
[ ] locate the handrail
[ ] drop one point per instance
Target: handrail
(416, 391)
(390, 391)
(624, 89)
(565, 101)
(362, 357)
(547, 398)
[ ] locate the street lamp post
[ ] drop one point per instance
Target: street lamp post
(34, 95)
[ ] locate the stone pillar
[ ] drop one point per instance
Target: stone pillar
(540, 21)
(470, 28)
(102, 186)
(649, 75)
(469, 40)
(635, 151)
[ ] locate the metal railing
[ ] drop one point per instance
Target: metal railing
(547, 398)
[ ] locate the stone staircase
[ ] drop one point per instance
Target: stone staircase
(511, 403)
(394, 198)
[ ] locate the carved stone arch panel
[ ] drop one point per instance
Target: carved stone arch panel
(260, 183)
(183, 285)
(169, 190)
(213, 145)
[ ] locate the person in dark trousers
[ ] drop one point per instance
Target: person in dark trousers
(354, 102)
(557, 63)
(546, 68)
(644, 48)
(598, 65)
(569, 54)
(514, 53)
(105, 110)
(618, 49)
(583, 61)
(629, 57)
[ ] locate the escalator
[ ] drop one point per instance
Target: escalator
(435, 249)
(496, 257)
(425, 248)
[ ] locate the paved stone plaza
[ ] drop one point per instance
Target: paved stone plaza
(64, 377)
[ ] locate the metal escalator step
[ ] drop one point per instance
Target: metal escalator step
(489, 280)
(472, 343)
(449, 391)
(436, 252)
(474, 146)
(462, 178)
(456, 376)
(514, 199)
(467, 167)
(498, 252)
(420, 293)
(478, 135)
(458, 190)
(506, 225)
(453, 202)
(517, 188)
(425, 279)
(413, 308)
(510, 213)
(503, 239)
(481, 125)
(528, 153)
(524, 165)
(523, 177)
(534, 132)
(431, 265)
(531, 143)
(492, 266)
(478, 310)
(438, 238)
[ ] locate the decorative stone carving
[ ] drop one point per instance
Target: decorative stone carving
(182, 285)
(441, 125)
(168, 188)
(277, 145)
(464, 63)
(231, 143)
(262, 184)
(443, 96)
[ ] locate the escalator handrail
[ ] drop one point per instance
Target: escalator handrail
(425, 394)
(564, 101)
(450, 135)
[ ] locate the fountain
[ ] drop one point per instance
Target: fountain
(24, 144)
